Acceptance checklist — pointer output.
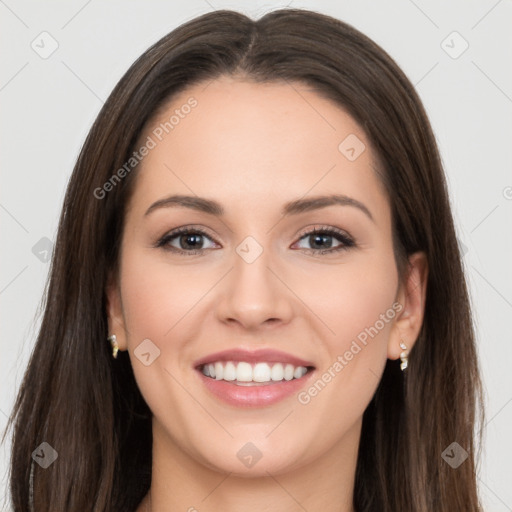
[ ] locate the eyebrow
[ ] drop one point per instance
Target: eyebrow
(212, 207)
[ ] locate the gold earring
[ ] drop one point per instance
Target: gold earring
(115, 346)
(403, 356)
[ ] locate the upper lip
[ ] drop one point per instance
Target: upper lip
(253, 356)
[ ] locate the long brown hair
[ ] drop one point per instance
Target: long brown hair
(88, 407)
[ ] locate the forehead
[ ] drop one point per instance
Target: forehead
(252, 144)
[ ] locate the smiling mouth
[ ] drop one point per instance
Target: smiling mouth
(243, 373)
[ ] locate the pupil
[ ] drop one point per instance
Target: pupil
(322, 238)
(191, 240)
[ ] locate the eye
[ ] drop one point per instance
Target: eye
(189, 241)
(322, 240)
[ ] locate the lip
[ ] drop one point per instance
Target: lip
(257, 395)
(253, 356)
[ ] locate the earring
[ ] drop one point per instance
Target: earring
(115, 346)
(403, 356)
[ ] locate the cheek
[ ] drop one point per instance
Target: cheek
(351, 297)
(365, 304)
(156, 300)
(157, 303)
(156, 296)
(360, 312)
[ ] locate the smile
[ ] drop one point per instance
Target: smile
(245, 391)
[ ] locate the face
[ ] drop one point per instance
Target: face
(312, 282)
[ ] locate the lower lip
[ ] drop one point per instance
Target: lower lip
(255, 395)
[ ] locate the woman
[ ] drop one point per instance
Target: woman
(256, 298)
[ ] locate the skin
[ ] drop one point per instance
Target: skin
(254, 147)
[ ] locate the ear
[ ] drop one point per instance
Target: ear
(411, 297)
(116, 323)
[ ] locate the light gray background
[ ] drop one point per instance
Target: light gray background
(48, 106)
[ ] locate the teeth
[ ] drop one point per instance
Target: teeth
(244, 372)
(219, 371)
(229, 371)
(260, 372)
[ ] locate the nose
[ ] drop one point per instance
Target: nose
(254, 295)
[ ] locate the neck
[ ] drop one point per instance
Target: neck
(181, 482)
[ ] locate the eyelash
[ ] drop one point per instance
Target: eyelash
(347, 242)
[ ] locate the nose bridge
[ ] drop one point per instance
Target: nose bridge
(253, 294)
